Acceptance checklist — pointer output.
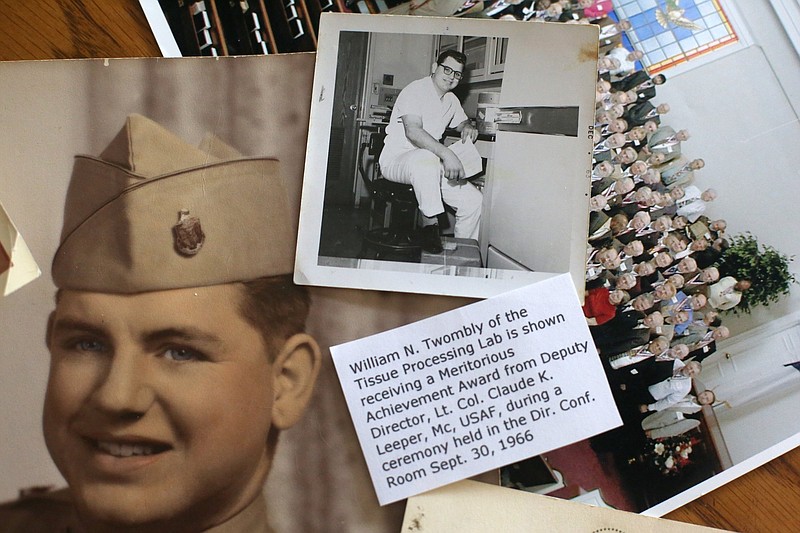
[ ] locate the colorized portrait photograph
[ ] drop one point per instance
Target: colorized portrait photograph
(164, 371)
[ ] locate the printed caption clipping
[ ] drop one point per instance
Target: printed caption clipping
(475, 389)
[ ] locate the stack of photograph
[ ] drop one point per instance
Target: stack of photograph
(386, 271)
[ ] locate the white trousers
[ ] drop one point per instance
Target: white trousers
(422, 169)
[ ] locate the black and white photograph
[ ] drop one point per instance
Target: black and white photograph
(439, 163)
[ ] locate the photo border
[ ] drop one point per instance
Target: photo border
(521, 67)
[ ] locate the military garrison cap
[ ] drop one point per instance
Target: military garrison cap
(155, 213)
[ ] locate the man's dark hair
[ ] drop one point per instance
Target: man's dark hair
(459, 57)
(276, 307)
(660, 77)
(619, 222)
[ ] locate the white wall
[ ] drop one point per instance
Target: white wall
(767, 32)
(407, 57)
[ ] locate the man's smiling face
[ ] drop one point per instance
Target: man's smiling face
(444, 82)
(159, 405)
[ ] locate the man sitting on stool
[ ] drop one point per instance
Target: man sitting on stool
(413, 154)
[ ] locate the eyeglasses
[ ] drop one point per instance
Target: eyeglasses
(450, 72)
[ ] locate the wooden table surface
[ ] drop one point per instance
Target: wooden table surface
(767, 499)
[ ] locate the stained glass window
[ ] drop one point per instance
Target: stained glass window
(671, 32)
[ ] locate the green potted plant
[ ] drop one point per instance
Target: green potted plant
(763, 265)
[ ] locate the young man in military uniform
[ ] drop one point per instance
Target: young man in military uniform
(177, 344)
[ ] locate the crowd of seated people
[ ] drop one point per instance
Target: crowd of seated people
(570, 12)
(577, 11)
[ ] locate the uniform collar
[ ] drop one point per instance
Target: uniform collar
(251, 519)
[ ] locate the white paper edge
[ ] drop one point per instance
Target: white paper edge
(161, 31)
(23, 267)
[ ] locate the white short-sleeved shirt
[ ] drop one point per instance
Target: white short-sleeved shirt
(671, 390)
(420, 98)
